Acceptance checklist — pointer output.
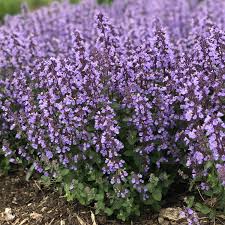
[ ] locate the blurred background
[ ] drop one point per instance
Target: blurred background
(12, 7)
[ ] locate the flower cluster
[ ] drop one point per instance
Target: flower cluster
(127, 96)
(191, 216)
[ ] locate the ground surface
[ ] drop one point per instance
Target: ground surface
(28, 203)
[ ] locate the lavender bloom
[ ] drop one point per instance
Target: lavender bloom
(191, 216)
(76, 79)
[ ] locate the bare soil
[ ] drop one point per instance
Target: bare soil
(28, 203)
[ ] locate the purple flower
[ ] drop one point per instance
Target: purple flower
(49, 154)
(131, 87)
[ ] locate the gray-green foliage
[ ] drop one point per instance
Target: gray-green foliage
(12, 7)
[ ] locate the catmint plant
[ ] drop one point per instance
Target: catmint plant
(110, 101)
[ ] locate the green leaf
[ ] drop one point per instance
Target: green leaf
(137, 211)
(126, 119)
(157, 194)
(156, 206)
(132, 137)
(208, 165)
(80, 186)
(82, 201)
(99, 206)
(46, 180)
(4, 164)
(153, 183)
(129, 153)
(202, 208)
(90, 128)
(30, 173)
(108, 211)
(100, 197)
(122, 216)
(138, 161)
(117, 204)
(115, 106)
(189, 201)
(217, 190)
(64, 172)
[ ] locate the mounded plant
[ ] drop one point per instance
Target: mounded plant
(111, 109)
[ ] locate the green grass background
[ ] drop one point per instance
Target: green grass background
(13, 6)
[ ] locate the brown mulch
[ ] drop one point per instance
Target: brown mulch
(28, 203)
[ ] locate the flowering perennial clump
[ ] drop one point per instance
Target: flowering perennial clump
(113, 100)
